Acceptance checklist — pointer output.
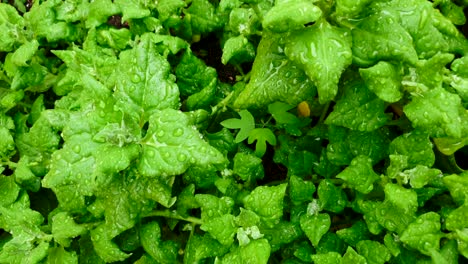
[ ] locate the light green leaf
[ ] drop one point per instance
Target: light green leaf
(325, 52)
(133, 9)
(290, 15)
(201, 247)
(256, 252)
(237, 50)
(373, 251)
(352, 257)
(60, 255)
(360, 175)
(64, 228)
(438, 112)
(456, 219)
(267, 202)
(172, 145)
(274, 78)
(458, 187)
(222, 228)
(424, 233)
(383, 79)
(380, 37)
(315, 226)
(354, 234)
(327, 258)
(145, 83)
(416, 146)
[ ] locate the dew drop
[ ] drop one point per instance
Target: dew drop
(136, 78)
(77, 148)
(161, 133)
(182, 157)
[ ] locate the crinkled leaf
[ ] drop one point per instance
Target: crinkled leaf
(274, 78)
(171, 145)
(358, 109)
(222, 228)
(381, 37)
(456, 219)
(249, 167)
(201, 247)
(354, 234)
(383, 79)
(325, 52)
(360, 175)
(161, 251)
(290, 15)
(458, 187)
(60, 255)
(267, 202)
(416, 146)
(146, 84)
(438, 112)
(424, 233)
(373, 251)
(64, 228)
(237, 50)
(327, 258)
(419, 176)
(256, 252)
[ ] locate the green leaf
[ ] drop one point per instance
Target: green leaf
(267, 202)
(193, 75)
(456, 219)
(249, 167)
(202, 247)
(279, 111)
(24, 53)
(438, 112)
(100, 11)
(358, 109)
(145, 84)
(373, 251)
(262, 136)
(316, 49)
(64, 229)
(281, 234)
(380, 37)
(360, 175)
(172, 145)
(352, 257)
(330, 242)
(315, 226)
(383, 79)
(273, 77)
(424, 233)
(133, 9)
(398, 208)
(222, 228)
(246, 124)
(300, 190)
(202, 17)
(60, 255)
(256, 252)
(290, 15)
(416, 146)
(11, 25)
(237, 50)
(161, 251)
(212, 206)
(419, 176)
(332, 198)
(354, 234)
(327, 258)
(9, 190)
(457, 185)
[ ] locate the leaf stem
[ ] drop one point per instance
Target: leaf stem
(174, 215)
(222, 104)
(324, 113)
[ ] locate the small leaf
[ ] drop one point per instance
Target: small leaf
(246, 124)
(262, 135)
